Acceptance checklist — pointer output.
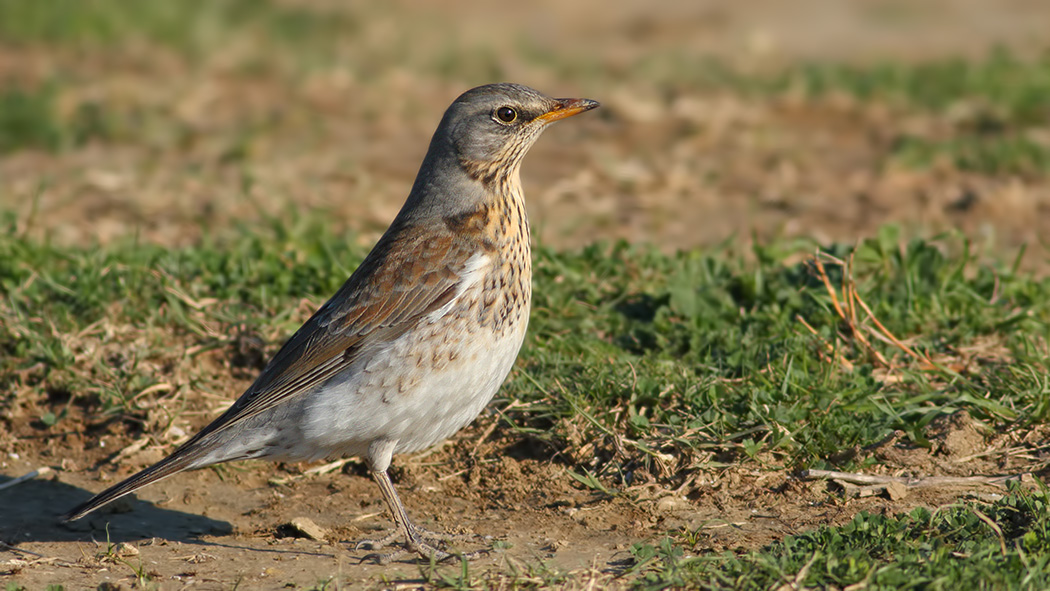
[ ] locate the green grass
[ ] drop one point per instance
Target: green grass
(50, 293)
(200, 28)
(710, 345)
(30, 119)
(1005, 545)
(995, 107)
(679, 352)
(195, 28)
(673, 355)
(995, 154)
(1010, 89)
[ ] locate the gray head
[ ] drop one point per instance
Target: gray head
(488, 129)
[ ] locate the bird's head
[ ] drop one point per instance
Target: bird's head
(490, 128)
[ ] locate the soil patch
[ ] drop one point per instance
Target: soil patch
(234, 524)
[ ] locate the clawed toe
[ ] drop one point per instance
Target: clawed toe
(423, 542)
(417, 540)
(377, 544)
(424, 550)
(384, 557)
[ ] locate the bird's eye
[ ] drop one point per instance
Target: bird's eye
(506, 114)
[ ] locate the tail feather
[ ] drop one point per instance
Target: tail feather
(170, 465)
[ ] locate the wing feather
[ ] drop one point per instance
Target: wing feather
(399, 283)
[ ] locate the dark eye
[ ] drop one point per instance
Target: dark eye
(506, 114)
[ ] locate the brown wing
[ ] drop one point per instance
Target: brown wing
(404, 278)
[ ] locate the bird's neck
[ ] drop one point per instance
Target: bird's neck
(511, 223)
(494, 218)
(487, 201)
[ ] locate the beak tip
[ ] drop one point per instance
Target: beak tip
(580, 104)
(568, 108)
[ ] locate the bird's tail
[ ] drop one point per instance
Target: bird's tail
(170, 465)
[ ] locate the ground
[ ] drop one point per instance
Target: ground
(679, 165)
(210, 529)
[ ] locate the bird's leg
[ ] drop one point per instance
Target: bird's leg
(417, 539)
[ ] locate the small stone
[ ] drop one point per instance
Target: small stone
(896, 491)
(309, 529)
(125, 549)
(672, 504)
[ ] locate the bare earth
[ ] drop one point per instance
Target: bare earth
(772, 168)
(212, 529)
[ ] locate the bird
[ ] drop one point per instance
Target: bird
(421, 336)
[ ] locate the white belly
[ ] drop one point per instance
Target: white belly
(402, 396)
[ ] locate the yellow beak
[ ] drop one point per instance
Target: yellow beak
(567, 108)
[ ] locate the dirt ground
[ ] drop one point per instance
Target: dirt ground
(748, 167)
(234, 528)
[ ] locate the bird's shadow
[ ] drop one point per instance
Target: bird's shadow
(31, 512)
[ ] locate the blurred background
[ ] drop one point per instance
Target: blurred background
(823, 119)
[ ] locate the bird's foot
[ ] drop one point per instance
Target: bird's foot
(423, 542)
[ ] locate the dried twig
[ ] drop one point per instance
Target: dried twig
(855, 313)
(40, 558)
(889, 335)
(25, 477)
(995, 528)
(831, 350)
(796, 582)
(923, 482)
(827, 285)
